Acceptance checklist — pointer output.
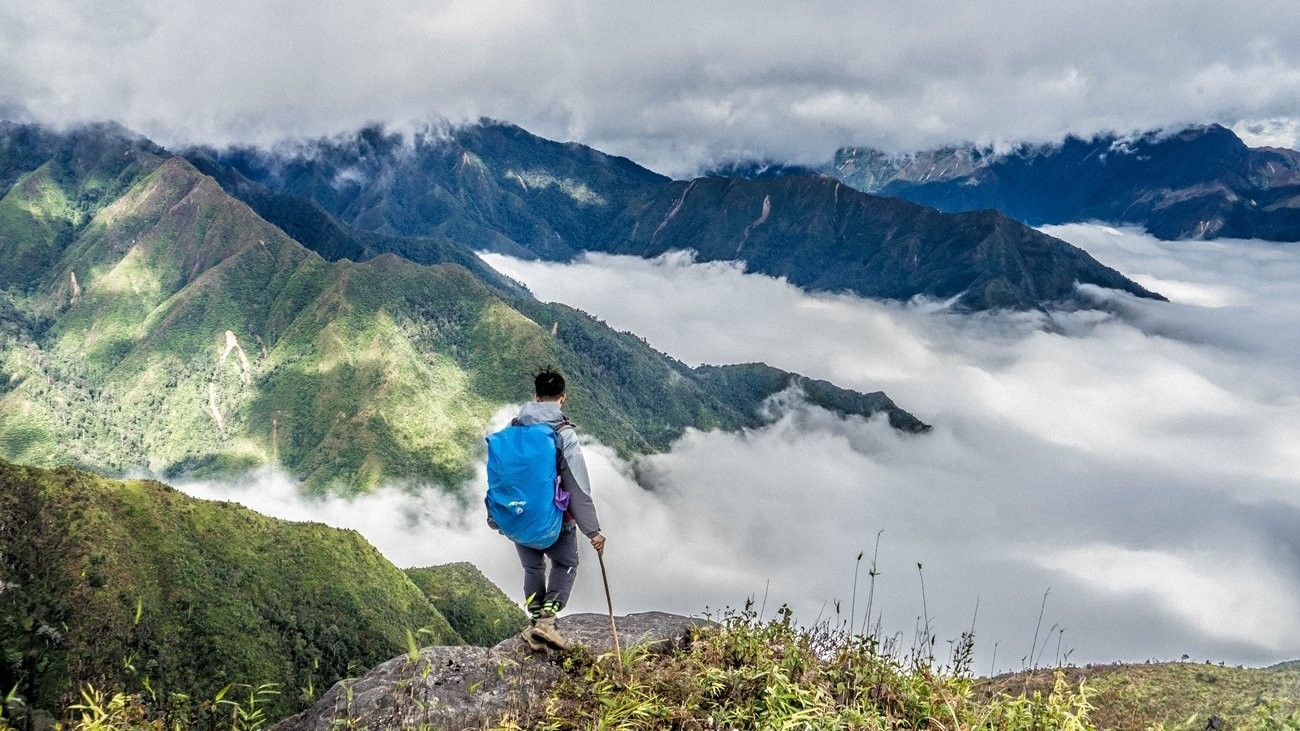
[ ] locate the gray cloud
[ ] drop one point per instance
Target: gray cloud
(673, 85)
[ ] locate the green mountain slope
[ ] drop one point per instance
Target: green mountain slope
(113, 583)
(474, 606)
(173, 329)
(54, 185)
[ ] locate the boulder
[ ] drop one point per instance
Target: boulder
(471, 687)
(661, 631)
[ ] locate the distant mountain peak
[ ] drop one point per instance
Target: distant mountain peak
(1194, 182)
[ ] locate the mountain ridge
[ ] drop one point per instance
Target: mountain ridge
(473, 183)
(824, 236)
(1199, 182)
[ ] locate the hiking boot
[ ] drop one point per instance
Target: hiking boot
(544, 630)
(534, 643)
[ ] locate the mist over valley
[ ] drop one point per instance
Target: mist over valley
(1136, 461)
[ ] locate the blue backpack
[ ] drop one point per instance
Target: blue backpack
(524, 498)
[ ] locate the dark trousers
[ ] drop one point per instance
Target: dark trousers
(553, 586)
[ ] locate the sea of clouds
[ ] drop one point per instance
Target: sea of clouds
(1131, 473)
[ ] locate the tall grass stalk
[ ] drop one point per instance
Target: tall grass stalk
(871, 590)
(853, 604)
(1033, 647)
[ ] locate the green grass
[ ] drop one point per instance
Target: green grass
(750, 674)
(746, 673)
(1175, 695)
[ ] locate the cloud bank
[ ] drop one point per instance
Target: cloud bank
(674, 85)
(1137, 465)
(1139, 461)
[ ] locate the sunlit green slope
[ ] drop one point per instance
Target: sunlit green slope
(160, 324)
(119, 583)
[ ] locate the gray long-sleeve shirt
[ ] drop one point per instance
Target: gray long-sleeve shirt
(573, 468)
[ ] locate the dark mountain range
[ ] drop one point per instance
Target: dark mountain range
(490, 186)
(1203, 182)
(824, 236)
(151, 321)
(499, 188)
(306, 221)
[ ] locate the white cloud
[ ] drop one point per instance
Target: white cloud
(422, 526)
(1283, 132)
(1228, 600)
(1148, 448)
(672, 85)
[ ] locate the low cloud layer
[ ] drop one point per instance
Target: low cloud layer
(674, 85)
(1139, 461)
(1134, 467)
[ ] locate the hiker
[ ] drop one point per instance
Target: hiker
(546, 592)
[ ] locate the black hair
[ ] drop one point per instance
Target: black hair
(548, 383)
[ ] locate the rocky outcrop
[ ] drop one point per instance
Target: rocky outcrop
(473, 687)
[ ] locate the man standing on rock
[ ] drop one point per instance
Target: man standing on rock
(546, 592)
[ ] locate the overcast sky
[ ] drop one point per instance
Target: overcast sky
(1139, 463)
(673, 85)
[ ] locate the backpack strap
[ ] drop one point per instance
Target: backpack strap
(559, 450)
(559, 459)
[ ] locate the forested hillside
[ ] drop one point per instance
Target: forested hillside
(151, 321)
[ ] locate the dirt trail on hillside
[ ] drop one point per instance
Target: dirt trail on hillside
(245, 369)
(212, 409)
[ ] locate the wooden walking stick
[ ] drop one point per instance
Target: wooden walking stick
(613, 630)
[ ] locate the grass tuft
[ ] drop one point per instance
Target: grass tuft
(750, 674)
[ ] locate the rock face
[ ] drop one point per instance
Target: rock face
(470, 687)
